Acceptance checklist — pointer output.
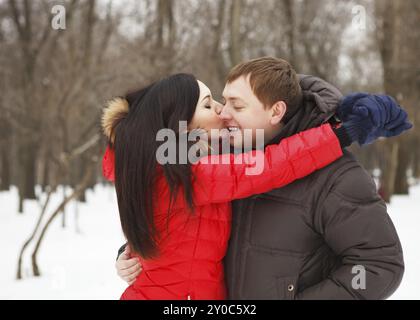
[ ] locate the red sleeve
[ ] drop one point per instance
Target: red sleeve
(293, 158)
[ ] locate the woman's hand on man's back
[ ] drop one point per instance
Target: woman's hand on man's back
(128, 268)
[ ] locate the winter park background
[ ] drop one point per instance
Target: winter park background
(54, 83)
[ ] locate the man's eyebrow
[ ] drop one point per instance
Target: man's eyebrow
(236, 99)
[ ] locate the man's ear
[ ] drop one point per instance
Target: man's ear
(278, 111)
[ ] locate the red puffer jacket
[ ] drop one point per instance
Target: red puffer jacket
(192, 246)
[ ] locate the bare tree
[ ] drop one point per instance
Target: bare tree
(398, 42)
(26, 17)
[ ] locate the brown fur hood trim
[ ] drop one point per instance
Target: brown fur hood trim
(115, 110)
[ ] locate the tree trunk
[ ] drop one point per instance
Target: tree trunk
(79, 173)
(291, 27)
(235, 50)
(416, 160)
(403, 162)
(27, 156)
(388, 170)
(20, 201)
(217, 54)
(5, 150)
(5, 169)
(30, 175)
(46, 173)
(165, 24)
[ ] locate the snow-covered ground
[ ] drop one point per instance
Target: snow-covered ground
(81, 265)
(405, 213)
(73, 265)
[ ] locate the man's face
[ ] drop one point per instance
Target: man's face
(243, 110)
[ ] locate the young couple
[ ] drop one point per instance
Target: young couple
(303, 228)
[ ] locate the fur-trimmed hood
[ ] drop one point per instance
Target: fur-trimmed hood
(115, 110)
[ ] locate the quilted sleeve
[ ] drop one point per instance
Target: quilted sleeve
(222, 178)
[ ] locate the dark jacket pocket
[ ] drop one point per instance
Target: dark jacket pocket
(286, 288)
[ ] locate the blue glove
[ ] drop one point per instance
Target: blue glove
(366, 117)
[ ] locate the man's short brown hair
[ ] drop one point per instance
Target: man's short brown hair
(271, 80)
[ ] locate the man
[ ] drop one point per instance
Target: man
(327, 236)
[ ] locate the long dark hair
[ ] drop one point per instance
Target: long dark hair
(161, 105)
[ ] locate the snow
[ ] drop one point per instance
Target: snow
(73, 265)
(81, 265)
(405, 214)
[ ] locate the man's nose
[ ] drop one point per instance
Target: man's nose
(224, 113)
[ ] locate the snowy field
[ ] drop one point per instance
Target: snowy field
(80, 265)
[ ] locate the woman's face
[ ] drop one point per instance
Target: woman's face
(207, 112)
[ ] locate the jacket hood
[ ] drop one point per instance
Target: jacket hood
(319, 104)
(325, 96)
(115, 110)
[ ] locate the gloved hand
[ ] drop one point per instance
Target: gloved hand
(366, 117)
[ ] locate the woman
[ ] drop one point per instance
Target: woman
(176, 217)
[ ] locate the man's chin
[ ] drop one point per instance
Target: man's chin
(236, 139)
(236, 142)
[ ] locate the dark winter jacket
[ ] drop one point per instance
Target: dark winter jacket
(319, 237)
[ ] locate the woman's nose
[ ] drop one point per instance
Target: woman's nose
(218, 108)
